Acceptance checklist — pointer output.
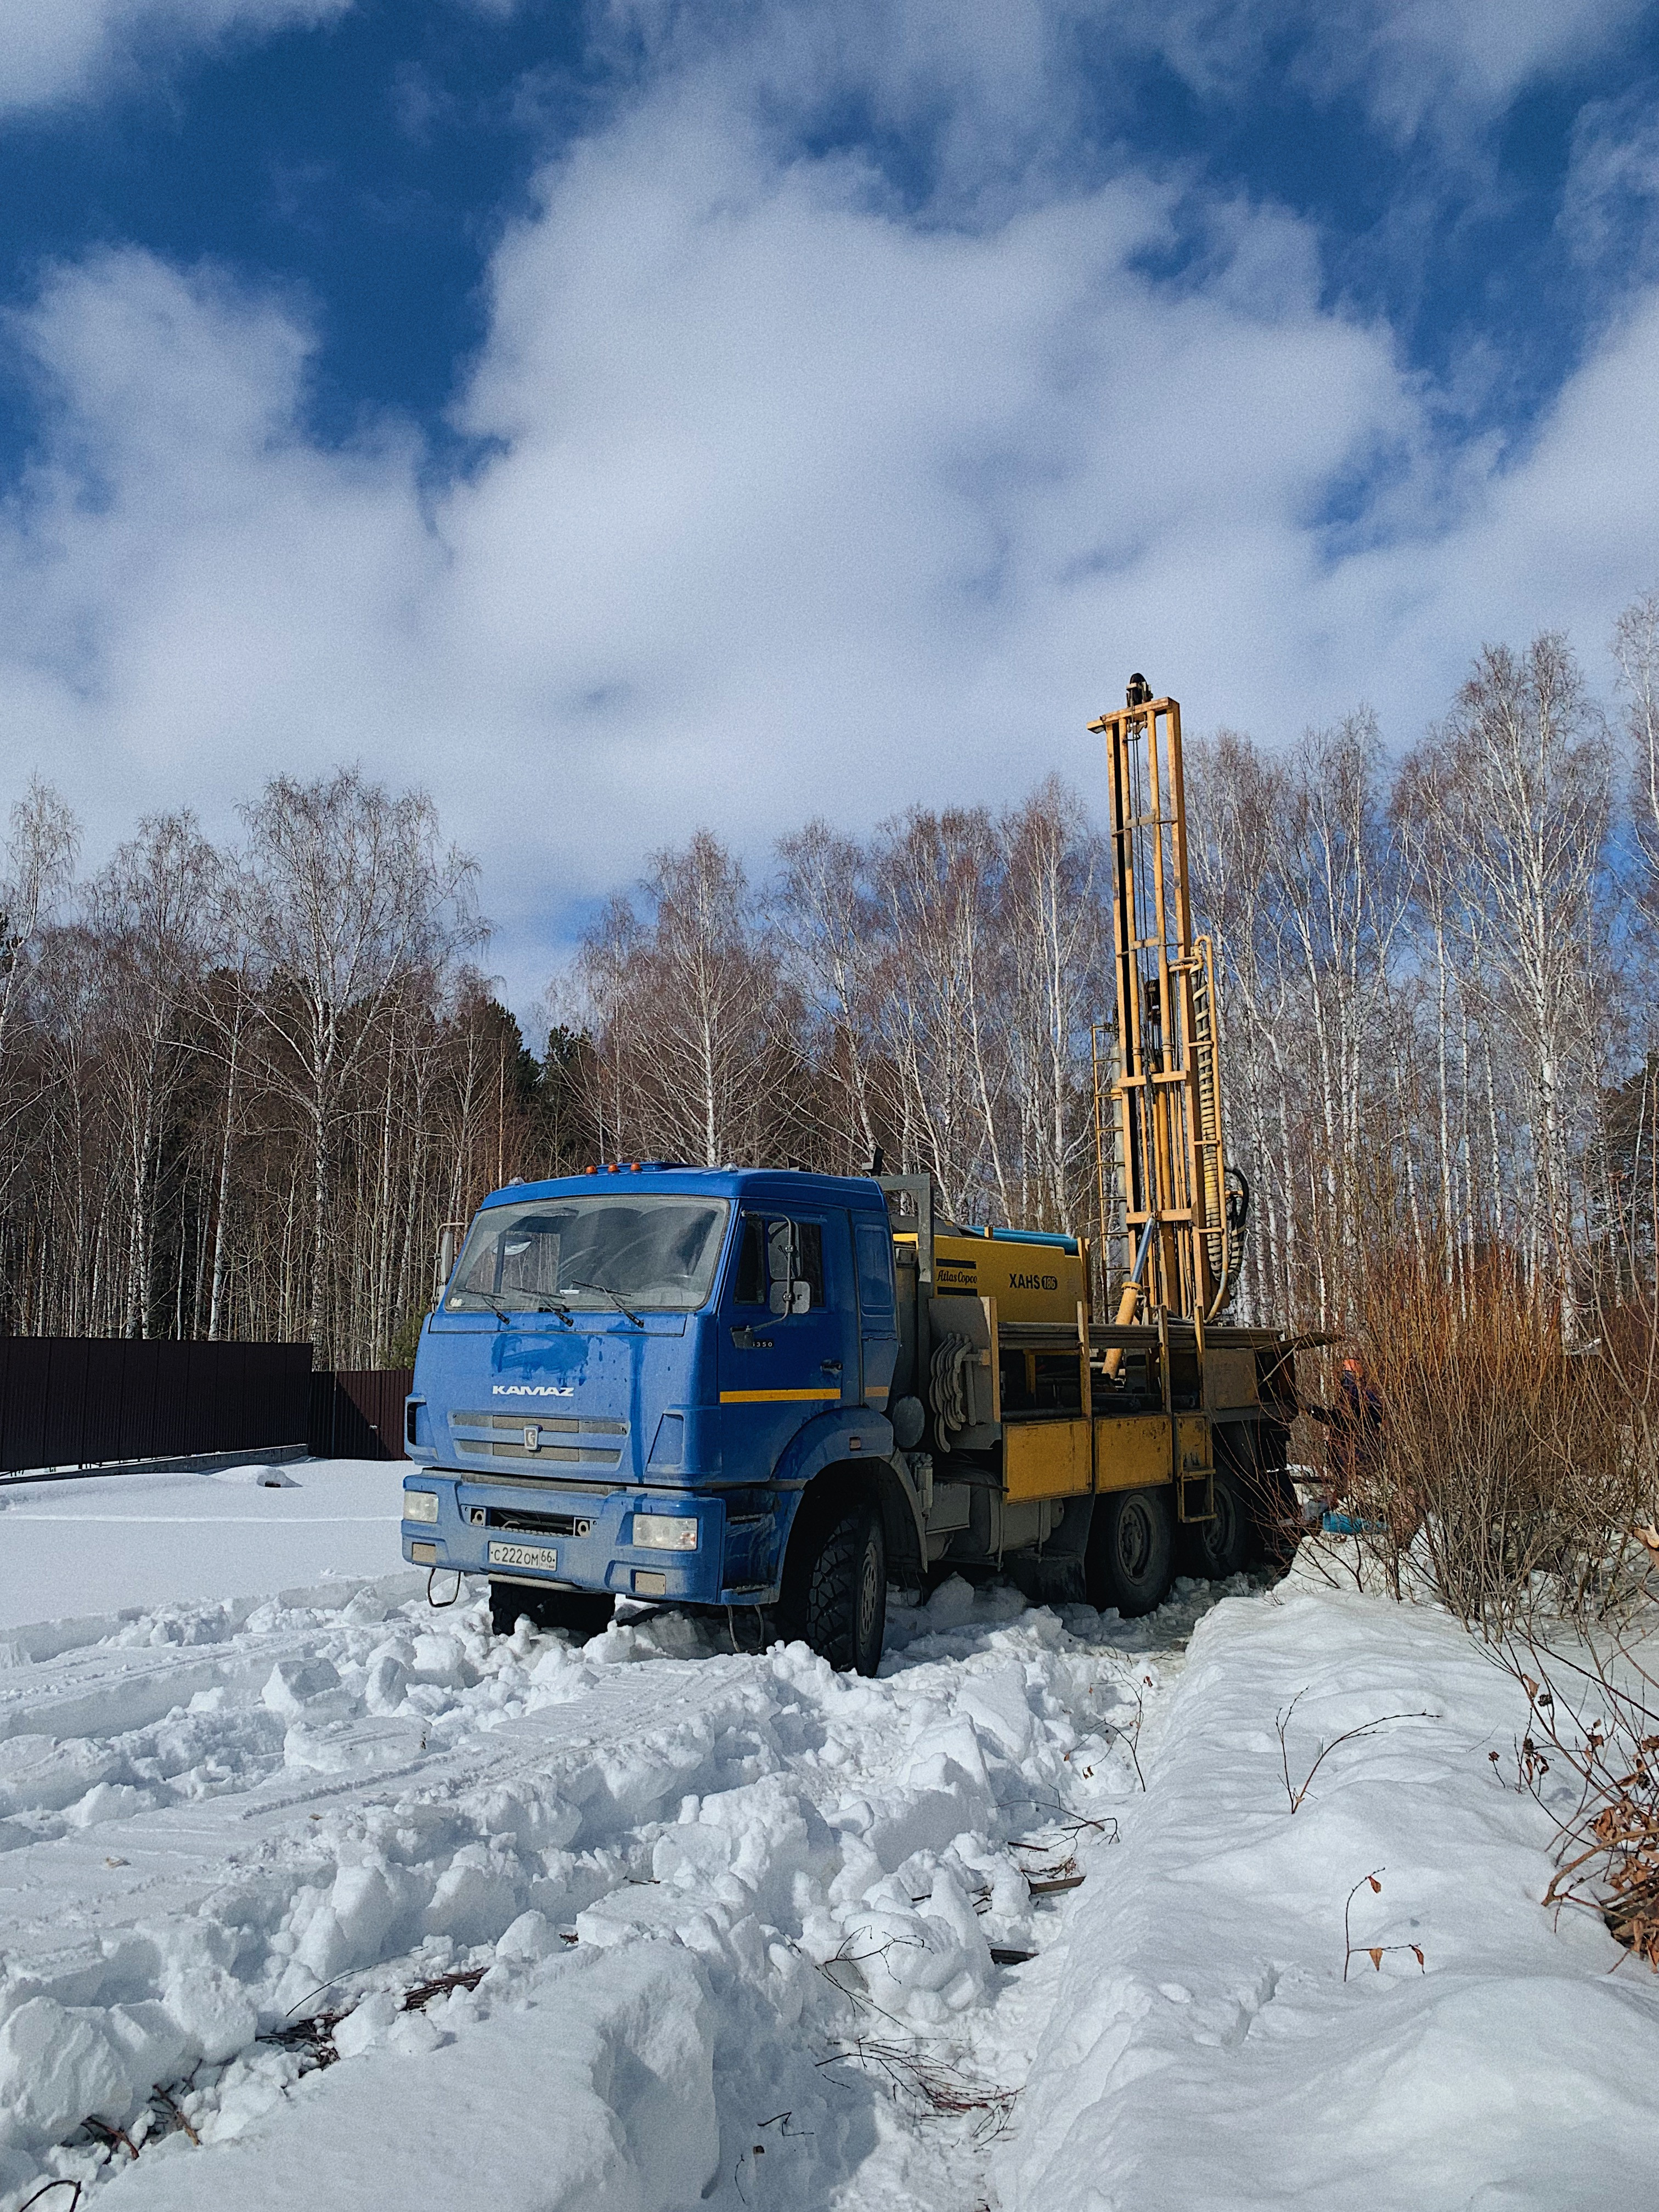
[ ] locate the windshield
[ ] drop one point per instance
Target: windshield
(647, 1251)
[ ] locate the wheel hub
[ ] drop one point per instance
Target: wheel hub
(1134, 1539)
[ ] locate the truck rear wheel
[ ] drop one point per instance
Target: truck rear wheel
(835, 1582)
(1226, 1544)
(581, 1612)
(1129, 1561)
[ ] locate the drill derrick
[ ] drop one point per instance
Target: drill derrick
(1158, 1081)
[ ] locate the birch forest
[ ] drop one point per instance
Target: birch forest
(244, 1086)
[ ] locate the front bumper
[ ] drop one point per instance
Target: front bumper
(587, 1543)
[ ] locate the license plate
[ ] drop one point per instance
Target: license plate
(544, 1556)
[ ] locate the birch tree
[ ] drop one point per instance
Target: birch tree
(1530, 813)
(153, 910)
(352, 889)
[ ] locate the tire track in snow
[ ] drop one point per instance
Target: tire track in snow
(323, 1802)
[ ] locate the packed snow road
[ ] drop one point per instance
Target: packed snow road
(328, 1897)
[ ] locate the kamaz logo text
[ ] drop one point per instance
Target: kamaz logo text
(533, 1389)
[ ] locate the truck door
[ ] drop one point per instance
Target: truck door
(788, 1332)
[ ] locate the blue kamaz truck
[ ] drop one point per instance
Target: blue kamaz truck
(766, 1394)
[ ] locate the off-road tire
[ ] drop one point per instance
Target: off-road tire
(582, 1613)
(835, 1582)
(1131, 1552)
(1229, 1542)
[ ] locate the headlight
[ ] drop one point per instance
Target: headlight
(420, 1506)
(665, 1532)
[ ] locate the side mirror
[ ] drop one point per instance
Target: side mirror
(786, 1293)
(780, 1264)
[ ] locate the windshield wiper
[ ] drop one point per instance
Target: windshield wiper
(606, 1291)
(504, 1313)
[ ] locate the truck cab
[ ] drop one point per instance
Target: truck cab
(631, 1381)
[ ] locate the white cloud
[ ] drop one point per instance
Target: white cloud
(56, 50)
(995, 85)
(1610, 202)
(195, 591)
(1449, 65)
(792, 505)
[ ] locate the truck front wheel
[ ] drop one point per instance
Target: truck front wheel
(1131, 1544)
(835, 1582)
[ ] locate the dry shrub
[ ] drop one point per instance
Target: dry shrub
(1593, 1722)
(1508, 1469)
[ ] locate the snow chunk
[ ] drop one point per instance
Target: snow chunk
(531, 1936)
(310, 1687)
(387, 1681)
(475, 1899)
(38, 1774)
(56, 2067)
(927, 1960)
(106, 1801)
(364, 1906)
(368, 2024)
(996, 1700)
(951, 1605)
(153, 2044)
(215, 2014)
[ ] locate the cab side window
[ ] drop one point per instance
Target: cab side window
(774, 1245)
(875, 1247)
(749, 1289)
(809, 1257)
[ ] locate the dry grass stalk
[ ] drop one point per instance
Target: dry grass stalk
(46, 2191)
(931, 2086)
(1374, 1952)
(1296, 1792)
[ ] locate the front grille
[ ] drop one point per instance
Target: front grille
(534, 1524)
(593, 1442)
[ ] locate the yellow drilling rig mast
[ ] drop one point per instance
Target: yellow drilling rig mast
(1158, 1139)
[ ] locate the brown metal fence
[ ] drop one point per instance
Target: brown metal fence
(358, 1412)
(80, 1402)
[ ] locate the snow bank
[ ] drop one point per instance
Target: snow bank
(92, 1545)
(593, 2088)
(1205, 2048)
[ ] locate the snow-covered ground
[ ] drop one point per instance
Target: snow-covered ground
(97, 1544)
(716, 1928)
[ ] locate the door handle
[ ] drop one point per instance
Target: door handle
(829, 1367)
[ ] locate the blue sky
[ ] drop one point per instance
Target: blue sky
(626, 417)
